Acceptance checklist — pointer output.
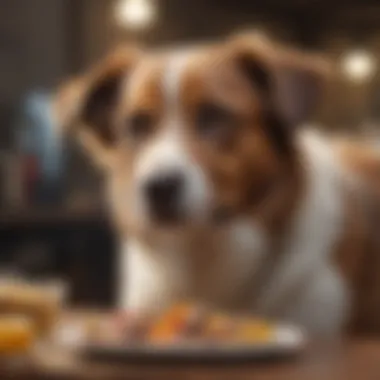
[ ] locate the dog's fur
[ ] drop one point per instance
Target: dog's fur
(279, 221)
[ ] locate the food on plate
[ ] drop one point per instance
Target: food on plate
(182, 321)
(17, 334)
(186, 323)
(38, 303)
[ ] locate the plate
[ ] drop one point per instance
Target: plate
(287, 341)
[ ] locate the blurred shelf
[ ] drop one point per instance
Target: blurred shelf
(46, 217)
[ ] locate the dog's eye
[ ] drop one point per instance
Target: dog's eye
(213, 120)
(139, 125)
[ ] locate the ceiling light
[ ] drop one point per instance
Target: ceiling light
(135, 14)
(359, 65)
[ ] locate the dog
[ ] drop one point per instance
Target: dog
(218, 192)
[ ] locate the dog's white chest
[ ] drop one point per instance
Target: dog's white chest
(246, 244)
(240, 252)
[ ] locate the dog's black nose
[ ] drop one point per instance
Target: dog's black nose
(163, 194)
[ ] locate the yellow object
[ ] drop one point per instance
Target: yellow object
(17, 335)
(254, 331)
(34, 302)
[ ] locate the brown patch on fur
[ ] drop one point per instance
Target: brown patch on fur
(363, 160)
(242, 160)
(85, 105)
(358, 253)
(296, 79)
(144, 92)
(358, 257)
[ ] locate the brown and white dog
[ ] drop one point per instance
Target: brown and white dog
(219, 196)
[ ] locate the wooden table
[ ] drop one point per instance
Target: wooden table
(351, 360)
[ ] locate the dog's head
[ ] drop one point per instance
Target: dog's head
(190, 136)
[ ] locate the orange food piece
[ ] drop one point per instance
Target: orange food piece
(171, 324)
(17, 334)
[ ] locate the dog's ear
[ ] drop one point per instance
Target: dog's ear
(291, 82)
(85, 105)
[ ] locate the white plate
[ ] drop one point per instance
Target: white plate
(287, 341)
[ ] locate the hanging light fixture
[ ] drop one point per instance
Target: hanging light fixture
(135, 14)
(358, 65)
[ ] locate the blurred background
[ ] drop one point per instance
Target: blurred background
(53, 222)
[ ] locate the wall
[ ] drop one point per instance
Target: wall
(32, 45)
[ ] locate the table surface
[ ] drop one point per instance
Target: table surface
(350, 360)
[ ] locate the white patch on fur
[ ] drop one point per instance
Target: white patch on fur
(244, 246)
(168, 153)
(172, 79)
(247, 245)
(306, 288)
(150, 280)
